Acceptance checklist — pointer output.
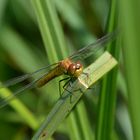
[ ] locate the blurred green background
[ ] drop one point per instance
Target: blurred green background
(30, 40)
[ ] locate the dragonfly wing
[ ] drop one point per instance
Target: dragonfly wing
(26, 76)
(9, 98)
(94, 47)
(15, 80)
(31, 85)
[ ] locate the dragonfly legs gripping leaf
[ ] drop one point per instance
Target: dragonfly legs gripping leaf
(69, 83)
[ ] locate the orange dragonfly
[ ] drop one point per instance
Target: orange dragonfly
(66, 67)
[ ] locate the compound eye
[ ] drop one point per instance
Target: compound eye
(71, 69)
(79, 69)
(78, 65)
(75, 69)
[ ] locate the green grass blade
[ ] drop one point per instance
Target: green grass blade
(131, 47)
(19, 50)
(64, 105)
(73, 130)
(3, 4)
(79, 125)
(24, 112)
(107, 98)
(50, 29)
(84, 124)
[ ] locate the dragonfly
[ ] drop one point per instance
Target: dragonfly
(64, 67)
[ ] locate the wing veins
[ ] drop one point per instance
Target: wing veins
(94, 47)
(20, 90)
(23, 77)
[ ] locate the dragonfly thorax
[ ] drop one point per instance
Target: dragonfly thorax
(71, 68)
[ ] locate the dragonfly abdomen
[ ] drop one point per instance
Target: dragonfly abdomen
(49, 76)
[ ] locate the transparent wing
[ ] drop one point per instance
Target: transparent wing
(41, 72)
(94, 47)
(31, 85)
(26, 76)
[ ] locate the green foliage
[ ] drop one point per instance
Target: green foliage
(40, 32)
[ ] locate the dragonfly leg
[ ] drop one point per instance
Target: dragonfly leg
(79, 89)
(67, 78)
(69, 82)
(64, 86)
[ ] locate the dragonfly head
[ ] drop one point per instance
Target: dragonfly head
(75, 69)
